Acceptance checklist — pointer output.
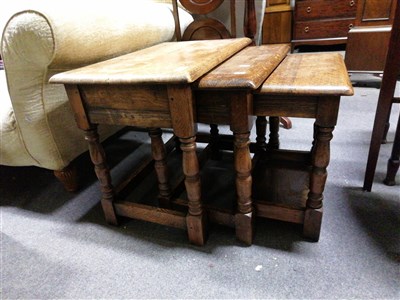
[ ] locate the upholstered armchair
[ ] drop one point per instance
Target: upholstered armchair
(41, 38)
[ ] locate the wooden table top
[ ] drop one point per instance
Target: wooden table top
(165, 63)
(298, 74)
(247, 69)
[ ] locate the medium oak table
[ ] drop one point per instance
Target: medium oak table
(224, 96)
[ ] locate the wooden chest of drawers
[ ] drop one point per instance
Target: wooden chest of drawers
(323, 22)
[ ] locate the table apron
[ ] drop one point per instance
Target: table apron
(147, 119)
(143, 106)
(285, 106)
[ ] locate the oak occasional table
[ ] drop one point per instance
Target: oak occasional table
(150, 88)
(289, 185)
(224, 96)
(176, 85)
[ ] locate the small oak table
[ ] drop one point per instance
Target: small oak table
(291, 183)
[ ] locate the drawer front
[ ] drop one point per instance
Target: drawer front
(322, 29)
(325, 9)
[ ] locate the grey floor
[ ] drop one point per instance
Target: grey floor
(56, 245)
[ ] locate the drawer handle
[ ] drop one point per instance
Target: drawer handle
(309, 9)
(351, 26)
(306, 29)
(352, 3)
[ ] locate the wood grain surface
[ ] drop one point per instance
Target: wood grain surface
(247, 69)
(310, 74)
(166, 63)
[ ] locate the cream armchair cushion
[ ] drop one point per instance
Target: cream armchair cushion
(37, 125)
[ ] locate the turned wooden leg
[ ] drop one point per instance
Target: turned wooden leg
(160, 165)
(196, 218)
(98, 157)
(214, 142)
(273, 142)
(320, 161)
(244, 215)
(394, 160)
(261, 132)
(68, 177)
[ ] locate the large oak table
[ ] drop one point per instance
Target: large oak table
(177, 85)
(150, 88)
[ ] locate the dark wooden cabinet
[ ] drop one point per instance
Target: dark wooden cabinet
(323, 22)
(277, 25)
(370, 36)
(375, 12)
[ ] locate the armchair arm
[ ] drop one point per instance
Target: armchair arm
(71, 36)
(58, 36)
